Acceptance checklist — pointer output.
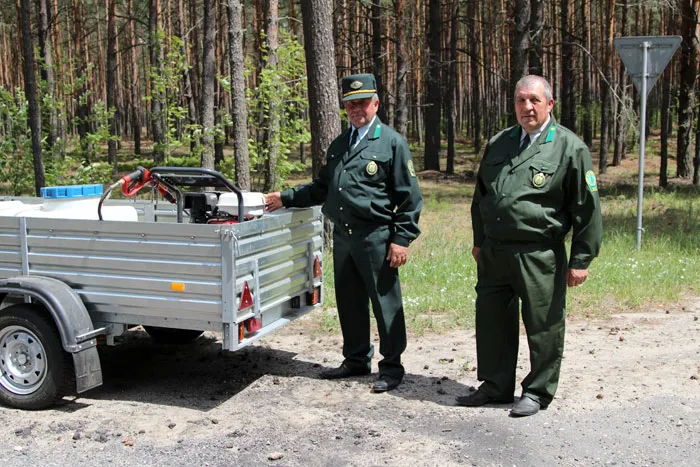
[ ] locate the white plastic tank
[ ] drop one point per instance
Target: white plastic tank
(70, 202)
(253, 203)
(11, 208)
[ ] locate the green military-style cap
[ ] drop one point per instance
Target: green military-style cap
(359, 86)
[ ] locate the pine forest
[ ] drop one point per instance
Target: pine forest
(91, 88)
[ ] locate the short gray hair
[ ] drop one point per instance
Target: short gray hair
(530, 81)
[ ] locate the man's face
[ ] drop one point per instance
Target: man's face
(361, 111)
(532, 107)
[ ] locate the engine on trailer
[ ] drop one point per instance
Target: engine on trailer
(202, 207)
(222, 208)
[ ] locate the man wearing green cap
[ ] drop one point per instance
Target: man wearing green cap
(535, 184)
(369, 190)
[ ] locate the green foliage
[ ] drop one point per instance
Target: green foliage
(72, 170)
(16, 165)
(286, 82)
(166, 86)
(99, 123)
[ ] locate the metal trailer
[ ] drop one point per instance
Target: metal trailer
(67, 284)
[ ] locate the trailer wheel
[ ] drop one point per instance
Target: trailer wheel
(172, 336)
(34, 370)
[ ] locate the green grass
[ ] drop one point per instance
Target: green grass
(438, 280)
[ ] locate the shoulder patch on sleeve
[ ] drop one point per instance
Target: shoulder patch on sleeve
(411, 169)
(591, 181)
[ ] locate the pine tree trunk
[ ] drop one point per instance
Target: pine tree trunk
(189, 95)
(625, 101)
(239, 110)
(519, 50)
(536, 28)
(401, 121)
(34, 113)
(272, 116)
(434, 99)
(378, 59)
(158, 99)
(609, 27)
(111, 84)
(135, 103)
(665, 126)
(586, 96)
(47, 72)
(686, 98)
(451, 94)
(322, 82)
(208, 77)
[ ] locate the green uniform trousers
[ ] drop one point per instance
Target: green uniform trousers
(535, 274)
(362, 274)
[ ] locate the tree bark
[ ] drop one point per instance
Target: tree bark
(239, 110)
(208, 72)
(475, 68)
(686, 98)
(378, 59)
(625, 102)
(136, 115)
(665, 129)
(434, 98)
(158, 99)
(586, 95)
(568, 83)
(322, 82)
(272, 116)
(47, 72)
(520, 45)
(609, 28)
(401, 121)
(111, 84)
(536, 28)
(451, 94)
(34, 113)
(189, 95)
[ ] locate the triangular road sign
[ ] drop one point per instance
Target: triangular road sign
(659, 50)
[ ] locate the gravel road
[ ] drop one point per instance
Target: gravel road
(629, 395)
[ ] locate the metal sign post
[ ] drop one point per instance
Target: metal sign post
(645, 58)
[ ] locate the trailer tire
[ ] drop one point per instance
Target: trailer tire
(35, 371)
(172, 336)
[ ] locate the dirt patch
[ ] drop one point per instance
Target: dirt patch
(629, 394)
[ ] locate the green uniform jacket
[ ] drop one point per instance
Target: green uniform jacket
(371, 186)
(539, 195)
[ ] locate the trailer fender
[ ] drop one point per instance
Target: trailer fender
(72, 321)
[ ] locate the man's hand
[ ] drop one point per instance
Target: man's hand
(576, 277)
(397, 255)
(475, 253)
(273, 201)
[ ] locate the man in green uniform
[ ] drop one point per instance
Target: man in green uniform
(534, 185)
(369, 190)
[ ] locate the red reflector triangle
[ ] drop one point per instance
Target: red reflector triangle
(317, 267)
(246, 297)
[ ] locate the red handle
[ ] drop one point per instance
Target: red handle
(134, 181)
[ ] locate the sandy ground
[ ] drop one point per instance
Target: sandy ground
(629, 395)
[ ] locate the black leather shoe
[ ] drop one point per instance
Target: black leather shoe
(385, 383)
(525, 407)
(479, 398)
(344, 371)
